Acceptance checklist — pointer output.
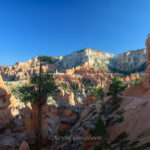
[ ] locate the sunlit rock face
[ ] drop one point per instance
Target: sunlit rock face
(9, 107)
(131, 61)
(128, 62)
(86, 56)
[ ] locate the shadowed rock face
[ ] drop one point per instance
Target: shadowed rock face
(129, 62)
(147, 43)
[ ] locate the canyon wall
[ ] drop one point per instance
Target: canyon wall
(126, 63)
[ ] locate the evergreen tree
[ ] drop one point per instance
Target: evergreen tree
(116, 87)
(39, 88)
(98, 93)
(138, 80)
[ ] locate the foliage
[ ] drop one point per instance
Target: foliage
(134, 143)
(120, 112)
(138, 80)
(124, 144)
(120, 137)
(116, 87)
(100, 129)
(114, 108)
(145, 145)
(86, 81)
(142, 147)
(45, 59)
(120, 119)
(98, 93)
(30, 92)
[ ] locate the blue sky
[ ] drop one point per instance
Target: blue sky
(58, 27)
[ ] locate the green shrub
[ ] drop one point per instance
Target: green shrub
(116, 87)
(134, 143)
(145, 145)
(98, 93)
(115, 107)
(120, 112)
(99, 147)
(124, 143)
(120, 119)
(100, 129)
(138, 80)
(120, 137)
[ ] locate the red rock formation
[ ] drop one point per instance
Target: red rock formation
(147, 79)
(82, 70)
(8, 105)
(24, 146)
(136, 103)
(22, 71)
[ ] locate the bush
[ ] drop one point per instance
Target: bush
(100, 129)
(116, 87)
(86, 81)
(120, 137)
(120, 112)
(138, 80)
(120, 119)
(98, 93)
(134, 143)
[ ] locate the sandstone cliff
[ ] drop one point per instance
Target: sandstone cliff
(127, 62)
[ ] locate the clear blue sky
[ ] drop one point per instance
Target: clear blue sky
(59, 27)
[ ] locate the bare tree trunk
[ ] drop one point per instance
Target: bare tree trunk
(39, 109)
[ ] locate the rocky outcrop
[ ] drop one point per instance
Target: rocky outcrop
(147, 79)
(87, 59)
(135, 103)
(11, 125)
(86, 56)
(9, 107)
(24, 146)
(129, 62)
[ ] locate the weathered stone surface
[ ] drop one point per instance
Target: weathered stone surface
(24, 146)
(9, 107)
(130, 61)
(146, 82)
(147, 43)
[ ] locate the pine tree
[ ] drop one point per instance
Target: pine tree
(138, 80)
(39, 88)
(98, 93)
(116, 87)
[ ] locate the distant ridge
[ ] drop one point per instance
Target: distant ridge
(127, 62)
